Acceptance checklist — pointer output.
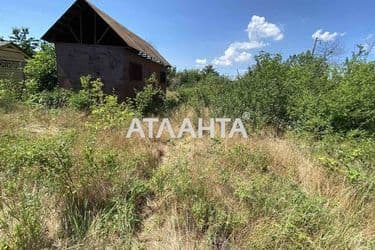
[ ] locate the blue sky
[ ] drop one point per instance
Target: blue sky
(227, 33)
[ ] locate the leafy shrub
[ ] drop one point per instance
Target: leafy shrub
(308, 83)
(42, 68)
(190, 77)
(54, 99)
(303, 93)
(91, 94)
(206, 93)
(186, 77)
(10, 94)
(352, 103)
(261, 92)
(110, 114)
(151, 100)
(80, 101)
(172, 100)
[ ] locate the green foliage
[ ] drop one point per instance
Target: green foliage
(171, 75)
(80, 101)
(27, 232)
(110, 114)
(98, 186)
(351, 155)
(90, 186)
(208, 215)
(42, 68)
(266, 93)
(125, 216)
(303, 93)
(352, 104)
(57, 98)
(10, 94)
(20, 37)
(206, 93)
(151, 100)
(172, 100)
(94, 182)
(209, 70)
(185, 78)
(90, 94)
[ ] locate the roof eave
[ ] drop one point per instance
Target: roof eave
(157, 58)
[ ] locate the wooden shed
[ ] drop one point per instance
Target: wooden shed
(89, 42)
(12, 61)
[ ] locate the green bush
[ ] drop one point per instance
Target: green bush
(207, 93)
(352, 102)
(261, 92)
(57, 98)
(110, 114)
(42, 68)
(10, 94)
(172, 100)
(190, 77)
(91, 94)
(187, 77)
(80, 101)
(151, 100)
(303, 93)
(307, 82)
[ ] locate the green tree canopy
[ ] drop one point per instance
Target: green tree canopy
(21, 37)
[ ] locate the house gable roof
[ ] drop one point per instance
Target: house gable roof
(5, 45)
(131, 40)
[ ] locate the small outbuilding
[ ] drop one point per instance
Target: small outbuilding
(12, 61)
(89, 42)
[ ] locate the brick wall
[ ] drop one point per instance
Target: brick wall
(110, 63)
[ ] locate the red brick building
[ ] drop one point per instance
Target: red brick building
(89, 42)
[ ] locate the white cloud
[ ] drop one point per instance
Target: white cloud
(259, 28)
(243, 57)
(326, 36)
(227, 58)
(248, 45)
(236, 52)
(201, 62)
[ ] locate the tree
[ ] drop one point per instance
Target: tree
(20, 37)
(42, 68)
(328, 49)
(209, 70)
(365, 49)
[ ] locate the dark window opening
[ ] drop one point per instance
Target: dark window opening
(163, 77)
(135, 72)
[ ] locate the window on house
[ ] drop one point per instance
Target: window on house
(135, 72)
(163, 77)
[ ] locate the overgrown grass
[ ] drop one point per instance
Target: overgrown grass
(68, 182)
(303, 180)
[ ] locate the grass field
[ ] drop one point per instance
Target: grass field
(69, 182)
